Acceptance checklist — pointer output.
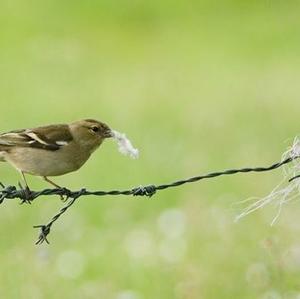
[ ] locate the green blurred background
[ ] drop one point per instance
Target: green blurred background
(197, 86)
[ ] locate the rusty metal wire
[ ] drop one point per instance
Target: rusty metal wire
(27, 196)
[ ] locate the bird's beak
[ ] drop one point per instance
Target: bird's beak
(108, 133)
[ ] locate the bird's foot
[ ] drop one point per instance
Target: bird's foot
(63, 198)
(65, 194)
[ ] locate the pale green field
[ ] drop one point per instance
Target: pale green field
(197, 86)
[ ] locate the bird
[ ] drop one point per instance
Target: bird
(52, 150)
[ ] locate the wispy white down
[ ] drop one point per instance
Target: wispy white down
(285, 191)
(125, 146)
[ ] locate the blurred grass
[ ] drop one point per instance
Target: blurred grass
(197, 86)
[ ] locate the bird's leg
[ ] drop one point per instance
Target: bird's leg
(55, 185)
(52, 183)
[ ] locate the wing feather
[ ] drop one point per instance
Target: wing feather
(49, 138)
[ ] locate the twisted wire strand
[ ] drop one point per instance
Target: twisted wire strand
(27, 196)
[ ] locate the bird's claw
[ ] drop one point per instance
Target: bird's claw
(63, 198)
(65, 194)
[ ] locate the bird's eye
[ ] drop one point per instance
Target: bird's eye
(95, 129)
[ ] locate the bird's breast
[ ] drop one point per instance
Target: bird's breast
(47, 163)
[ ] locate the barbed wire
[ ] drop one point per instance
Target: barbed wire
(27, 196)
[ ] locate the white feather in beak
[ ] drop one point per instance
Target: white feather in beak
(125, 146)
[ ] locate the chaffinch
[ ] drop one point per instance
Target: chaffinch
(53, 150)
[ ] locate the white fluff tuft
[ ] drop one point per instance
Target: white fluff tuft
(285, 192)
(125, 146)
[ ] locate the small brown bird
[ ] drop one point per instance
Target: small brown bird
(52, 150)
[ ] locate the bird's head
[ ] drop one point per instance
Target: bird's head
(90, 133)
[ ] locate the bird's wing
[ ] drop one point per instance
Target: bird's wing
(49, 138)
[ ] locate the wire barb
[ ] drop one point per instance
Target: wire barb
(148, 191)
(44, 232)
